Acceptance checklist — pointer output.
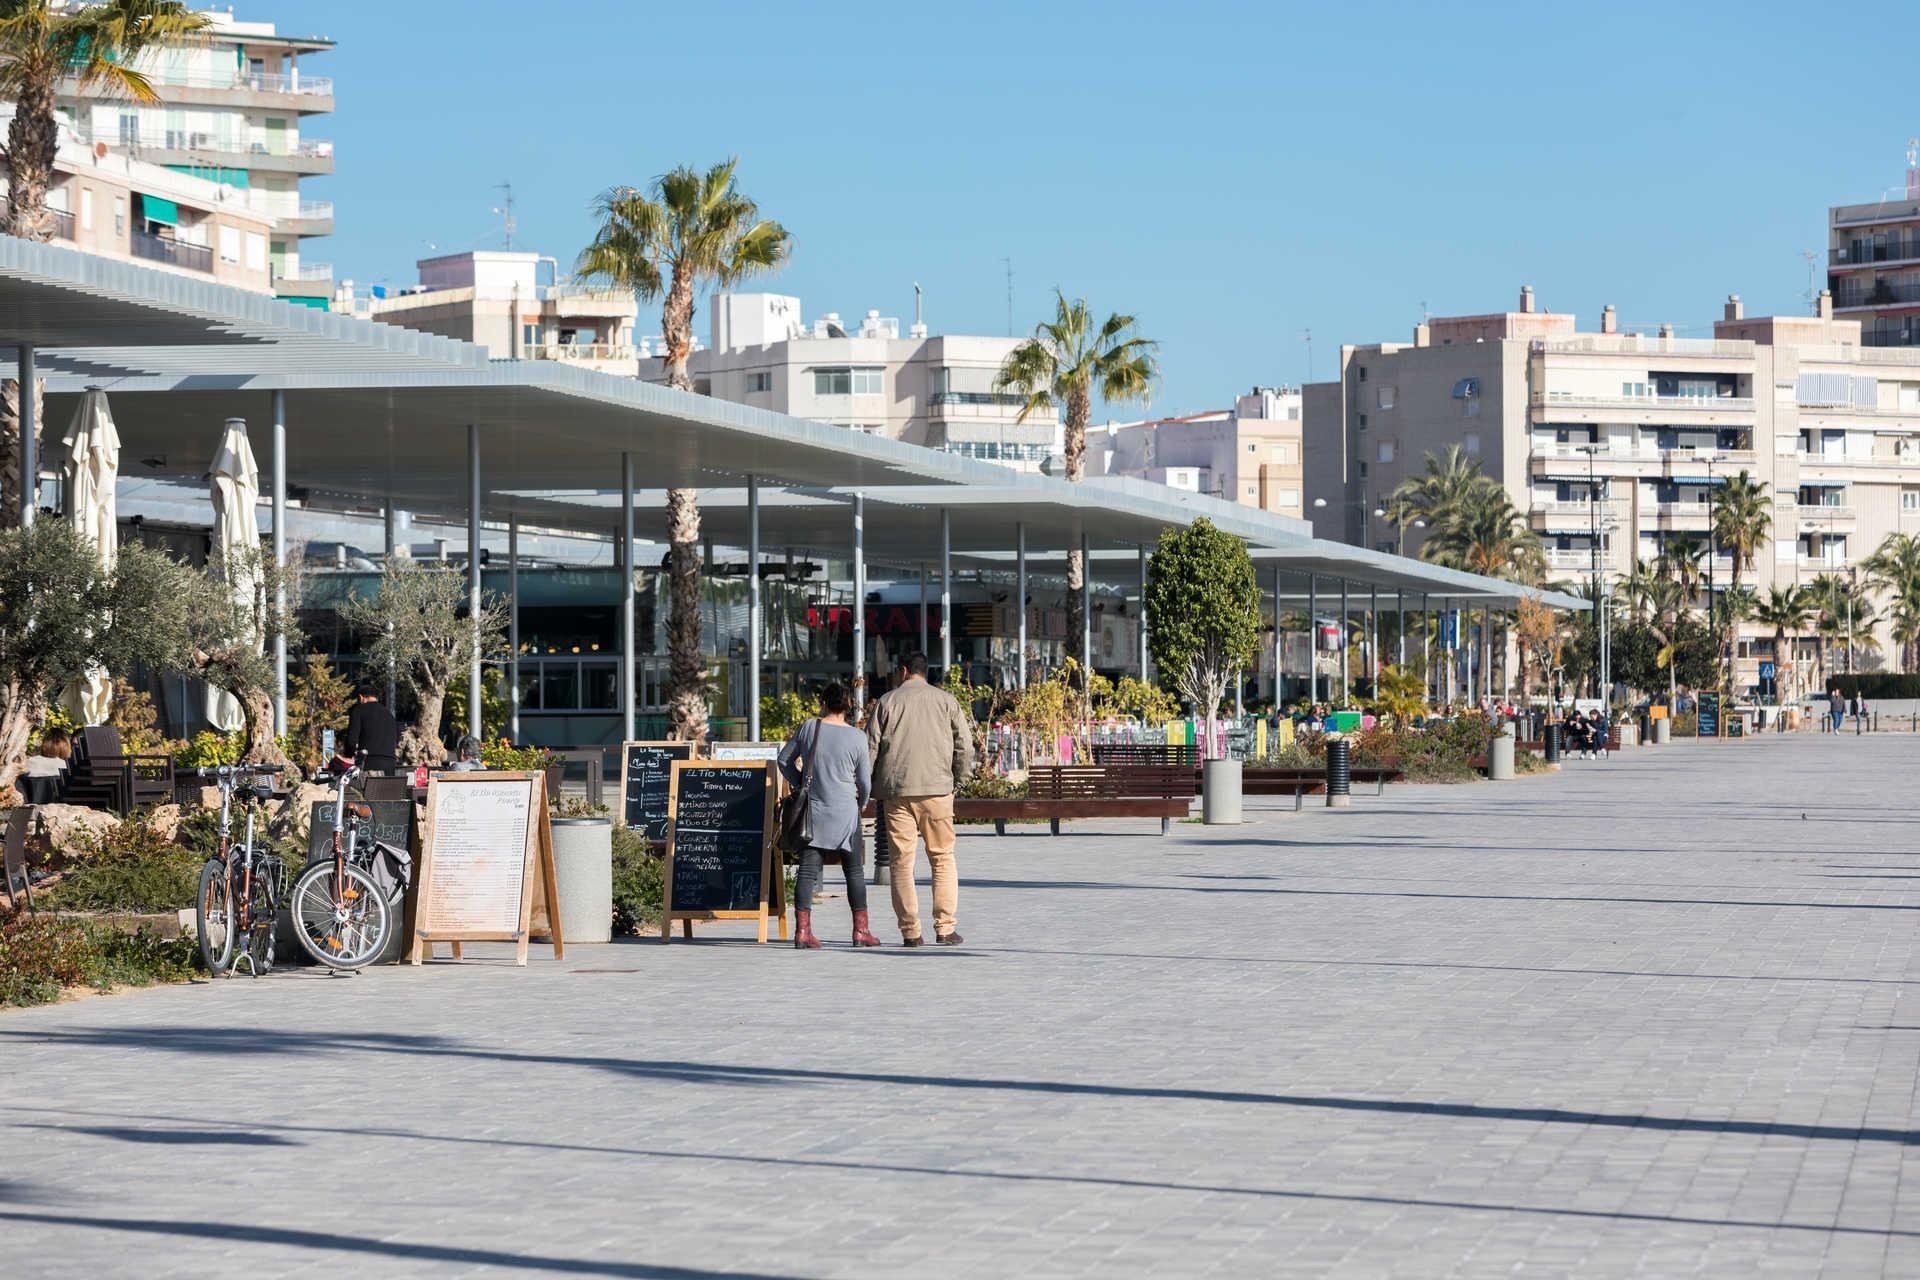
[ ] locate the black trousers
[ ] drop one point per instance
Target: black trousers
(852, 863)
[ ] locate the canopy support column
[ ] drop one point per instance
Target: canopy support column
(753, 609)
(923, 608)
(1313, 638)
(29, 494)
(390, 518)
(1373, 638)
(860, 603)
(473, 576)
(1279, 647)
(513, 627)
(1143, 611)
(625, 559)
(1400, 628)
(1086, 610)
(279, 547)
(1020, 603)
(1346, 673)
(946, 590)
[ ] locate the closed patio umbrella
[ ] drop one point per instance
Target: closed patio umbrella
(235, 483)
(93, 465)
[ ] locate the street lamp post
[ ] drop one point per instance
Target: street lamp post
(1366, 528)
(1593, 540)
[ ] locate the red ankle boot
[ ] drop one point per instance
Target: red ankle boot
(803, 930)
(862, 935)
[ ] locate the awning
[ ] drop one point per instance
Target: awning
(154, 209)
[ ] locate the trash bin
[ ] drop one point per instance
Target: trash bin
(1552, 740)
(1500, 755)
(1663, 730)
(583, 873)
(1339, 773)
(1220, 792)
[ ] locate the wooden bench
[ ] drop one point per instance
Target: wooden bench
(1300, 783)
(1163, 791)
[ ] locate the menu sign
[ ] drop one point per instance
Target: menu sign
(485, 840)
(392, 824)
(743, 751)
(1709, 721)
(719, 844)
(646, 776)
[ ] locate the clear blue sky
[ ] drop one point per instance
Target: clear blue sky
(1232, 174)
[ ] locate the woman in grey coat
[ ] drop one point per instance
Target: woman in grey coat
(828, 757)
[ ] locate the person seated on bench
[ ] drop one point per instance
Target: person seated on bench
(44, 780)
(828, 759)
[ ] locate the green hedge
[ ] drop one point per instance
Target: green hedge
(1877, 684)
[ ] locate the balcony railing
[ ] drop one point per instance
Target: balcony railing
(978, 397)
(1573, 507)
(194, 257)
(582, 351)
(1574, 558)
(1820, 512)
(306, 271)
(1894, 248)
(314, 209)
(1880, 293)
(258, 82)
(1603, 457)
(1658, 404)
(1642, 344)
(1908, 337)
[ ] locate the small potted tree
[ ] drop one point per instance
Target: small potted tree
(1203, 622)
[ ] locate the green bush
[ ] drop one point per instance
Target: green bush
(206, 749)
(41, 955)
(1877, 684)
(128, 868)
(639, 882)
(501, 754)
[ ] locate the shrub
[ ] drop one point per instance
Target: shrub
(38, 956)
(639, 882)
(207, 749)
(781, 714)
(138, 959)
(500, 754)
(128, 868)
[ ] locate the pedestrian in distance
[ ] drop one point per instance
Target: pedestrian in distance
(1836, 707)
(828, 758)
(922, 744)
(1858, 705)
(371, 729)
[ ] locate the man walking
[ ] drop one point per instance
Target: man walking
(371, 728)
(922, 746)
(1836, 707)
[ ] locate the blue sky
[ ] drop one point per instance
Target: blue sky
(1232, 174)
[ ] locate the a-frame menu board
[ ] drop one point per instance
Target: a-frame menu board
(485, 842)
(720, 863)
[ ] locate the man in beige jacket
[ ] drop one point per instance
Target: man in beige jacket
(922, 744)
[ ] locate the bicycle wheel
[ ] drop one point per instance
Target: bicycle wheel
(344, 930)
(260, 912)
(213, 916)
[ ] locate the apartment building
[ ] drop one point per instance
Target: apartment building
(496, 299)
(120, 207)
(1873, 265)
(233, 110)
(1249, 454)
(932, 390)
(1610, 441)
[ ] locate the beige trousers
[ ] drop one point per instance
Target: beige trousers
(910, 819)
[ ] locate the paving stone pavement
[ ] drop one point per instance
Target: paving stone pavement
(1653, 1016)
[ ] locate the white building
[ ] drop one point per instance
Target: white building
(1249, 454)
(935, 391)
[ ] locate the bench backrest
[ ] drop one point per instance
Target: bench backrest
(1102, 782)
(1144, 753)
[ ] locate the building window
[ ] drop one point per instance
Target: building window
(1363, 422)
(1471, 443)
(1386, 397)
(832, 382)
(529, 336)
(86, 208)
(1282, 453)
(1910, 499)
(1253, 448)
(868, 382)
(256, 251)
(1289, 498)
(1386, 451)
(1363, 373)
(230, 244)
(1363, 471)
(1249, 491)
(119, 215)
(759, 382)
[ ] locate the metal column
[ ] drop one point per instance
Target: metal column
(1143, 612)
(1400, 629)
(1346, 690)
(753, 609)
(1279, 647)
(860, 602)
(279, 554)
(513, 627)
(1313, 638)
(1086, 609)
(627, 690)
(1486, 651)
(29, 494)
(946, 591)
(1426, 647)
(923, 610)
(1373, 639)
(391, 521)
(473, 575)
(1020, 603)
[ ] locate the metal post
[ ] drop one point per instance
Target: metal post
(513, 627)
(860, 603)
(1143, 611)
(923, 609)
(1400, 628)
(29, 494)
(1373, 638)
(1486, 651)
(946, 590)
(1020, 603)
(753, 609)
(1346, 690)
(390, 519)
(1279, 646)
(1426, 646)
(625, 558)
(1086, 609)
(473, 575)
(1313, 638)
(279, 552)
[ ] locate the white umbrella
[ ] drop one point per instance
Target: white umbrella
(93, 465)
(235, 481)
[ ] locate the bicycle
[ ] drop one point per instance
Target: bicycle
(239, 891)
(339, 906)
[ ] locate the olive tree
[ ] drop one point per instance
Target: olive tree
(418, 627)
(236, 610)
(1203, 614)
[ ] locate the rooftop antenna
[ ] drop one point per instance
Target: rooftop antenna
(919, 314)
(1812, 295)
(1913, 172)
(505, 210)
(1307, 337)
(1009, 265)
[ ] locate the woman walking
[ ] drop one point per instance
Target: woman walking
(828, 759)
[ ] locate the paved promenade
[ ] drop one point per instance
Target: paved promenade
(1656, 1016)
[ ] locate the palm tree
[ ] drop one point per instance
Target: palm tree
(1787, 610)
(1684, 560)
(1452, 477)
(1895, 569)
(686, 231)
(1484, 533)
(1742, 519)
(1061, 367)
(1845, 614)
(94, 44)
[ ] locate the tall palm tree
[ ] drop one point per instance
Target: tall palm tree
(96, 44)
(1742, 519)
(1845, 614)
(1683, 560)
(1451, 478)
(1484, 533)
(1066, 362)
(686, 231)
(1894, 568)
(1787, 610)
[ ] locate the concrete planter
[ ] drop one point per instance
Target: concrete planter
(1500, 756)
(583, 866)
(1662, 731)
(1220, 792)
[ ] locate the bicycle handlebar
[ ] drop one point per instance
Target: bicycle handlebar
(237, 770)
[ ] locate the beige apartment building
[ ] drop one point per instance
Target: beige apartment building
(118, 207)
(1873, 265)
(1611, 439)
(232, 110)
(494, 298)
(1249, 454)
(932, 390)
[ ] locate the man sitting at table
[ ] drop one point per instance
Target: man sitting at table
(371, 728)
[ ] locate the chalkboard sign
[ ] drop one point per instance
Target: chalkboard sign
(744, 751)
(1736, 727)
(1709, 723)
(392, 824)
(646, 777)
(720, 843)
(486, 852)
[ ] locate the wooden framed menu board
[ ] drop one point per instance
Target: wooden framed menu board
(646, 777)
(485, 847)
(720, 863)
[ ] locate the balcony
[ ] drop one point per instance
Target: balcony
(1866, 253)
(1555, 406)
(315, 218)
(1575, 559)
(984, 406)
(1823, 515)
(174, 253)
(1676, 515)
(587, 354)
(1820, 561)
(307, 272)
(300, 92)
(1881, 293)
(1642, 344)
(220, 150)
(1725, 462)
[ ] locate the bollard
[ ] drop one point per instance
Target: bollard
(1663, 730)
(882, 851)
(1551, 738)
(1339, 773)
(1500, 756)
